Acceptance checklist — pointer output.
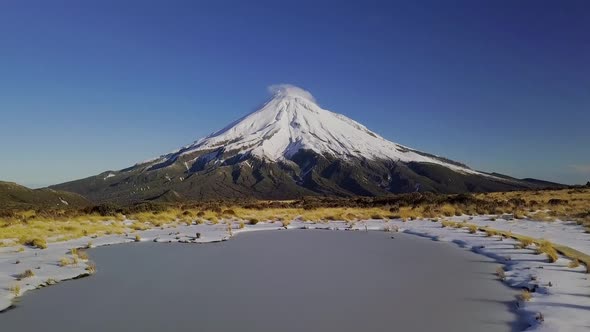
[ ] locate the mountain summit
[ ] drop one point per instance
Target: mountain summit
(292, 121)
(289, 148)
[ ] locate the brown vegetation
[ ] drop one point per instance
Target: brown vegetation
(574, 263)
(32, 227)
(26, 274)
(524, 296)
(545, 247)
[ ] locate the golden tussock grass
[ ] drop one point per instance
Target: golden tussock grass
(66, 261)
(91, 268)
(574, 263)
(25, 274)
(548, 205)
(39, 243)
(543, 246)
(524, 296)
(34, 228)
(82, 255)
(551, 249)
(524, 242)
(15, 290)
(490, 232)
(546, 247)
(541, 216)
(450, 224)
(448, 210)
(142, 226)
(501, 273)
(392, 228)
(35, 232)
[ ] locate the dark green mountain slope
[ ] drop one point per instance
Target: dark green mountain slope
(290, 148)
(13, 195)
(307, 174)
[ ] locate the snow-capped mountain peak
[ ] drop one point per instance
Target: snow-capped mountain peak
(290, 148)
(292, 121)
(290, 91)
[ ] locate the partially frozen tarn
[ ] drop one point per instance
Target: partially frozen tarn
(560, 301)
(45, 263)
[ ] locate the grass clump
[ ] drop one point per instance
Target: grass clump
(524, 296)
(446, 223)
(15, 290)
(82, 255)
(574, 263)
(138, 226)
(65, 261)
(501, 273)
(229, 212)
(91, 268)
(253, 221)
(525, 242)
(25, 274)
(546, 247)
(518, 215)
(472, 228)
(491, 232)
(137, 238)
(448, 210)
(38, 243)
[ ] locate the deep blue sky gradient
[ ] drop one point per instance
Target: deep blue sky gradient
(88, 86)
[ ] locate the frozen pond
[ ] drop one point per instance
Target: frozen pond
(297, 280)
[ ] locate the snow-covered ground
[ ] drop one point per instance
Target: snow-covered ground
(560, 300)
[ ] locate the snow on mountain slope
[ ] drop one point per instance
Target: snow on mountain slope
(292, 121)
(290, 148)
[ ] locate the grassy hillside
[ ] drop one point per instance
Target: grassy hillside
(52, 224)
(14, 196)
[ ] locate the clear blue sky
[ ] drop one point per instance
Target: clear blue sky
(88, 86)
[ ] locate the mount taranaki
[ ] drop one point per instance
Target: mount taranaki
(290, 148)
